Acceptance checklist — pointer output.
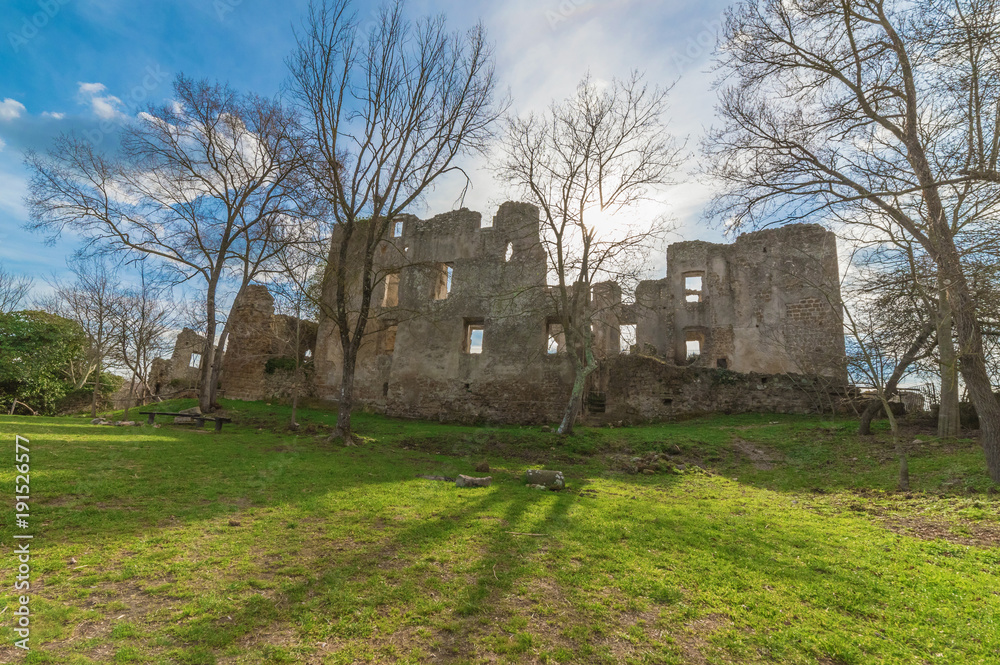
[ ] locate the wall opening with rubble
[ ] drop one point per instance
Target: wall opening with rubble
(258, 361)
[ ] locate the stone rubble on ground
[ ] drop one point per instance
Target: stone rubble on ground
(469, 481)
(549, 479)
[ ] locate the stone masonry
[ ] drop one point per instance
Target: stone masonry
(463, 327)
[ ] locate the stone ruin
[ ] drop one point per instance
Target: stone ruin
(464, 327)
(259, 355)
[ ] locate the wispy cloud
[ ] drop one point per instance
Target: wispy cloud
(10, 109)
(54, 115)
(106, 107)
(92, 88)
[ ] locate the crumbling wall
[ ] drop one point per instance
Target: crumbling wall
(187, 360)
(461, 321)
(641, 388)
(465, 335)
(249, 345)
(256, 336)
(768, 303)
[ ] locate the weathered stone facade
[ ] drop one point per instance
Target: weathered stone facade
(462, 321)
(767, 303)
(181, 371)
(458, 329)
(256, 336)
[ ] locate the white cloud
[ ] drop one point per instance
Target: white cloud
(106, 107)
(2, 144)
(91, 88)
(10, 109)
(54, 115)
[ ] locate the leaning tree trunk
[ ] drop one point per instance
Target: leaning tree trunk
(977, 380)
(971, 359)
(865, 426)
(298, 370)
(97, 390)
(949, 417)
(579, 383)
(573, 406)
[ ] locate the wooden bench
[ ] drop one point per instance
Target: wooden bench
(218, 420)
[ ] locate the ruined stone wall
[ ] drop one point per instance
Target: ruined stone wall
(768, 303)
(644, 389)
(460, 285)
(249, 345)
(187, 360)
(256, 336)
(766, 307)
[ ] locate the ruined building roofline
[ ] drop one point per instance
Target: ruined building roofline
(448, 217)
(776, 234)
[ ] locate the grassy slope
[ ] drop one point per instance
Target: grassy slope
(259, 545)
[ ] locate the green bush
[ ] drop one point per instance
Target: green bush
(284, 363)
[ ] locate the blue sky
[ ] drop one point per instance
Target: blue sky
(84, 65)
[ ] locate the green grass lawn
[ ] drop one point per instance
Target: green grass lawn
(262, 545)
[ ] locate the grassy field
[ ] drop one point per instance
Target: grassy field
(758, 539)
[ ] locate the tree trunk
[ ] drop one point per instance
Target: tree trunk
(971, 360)
(208, 356)
(217, 365)
(346, 405)
(97, 391)
(949, 420)
(131, 394)
(573, 407)
(865, 426)
(298, 370)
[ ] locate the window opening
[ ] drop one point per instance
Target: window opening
(397, 230)
(693, 342)
(555, 336)
(510, 252)
(195, 360)
(693, 286)
(391, 296)
(626, 337)
(473, 342)
(442, 281)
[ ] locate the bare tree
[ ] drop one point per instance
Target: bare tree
(142, 323)
(93, 299)
(13, 290)
(869, 110)
(389, 111)
(297, 290)
(198, 184)
(600, 151)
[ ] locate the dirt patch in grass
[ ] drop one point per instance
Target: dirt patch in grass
(693, 639)
(760, 456)
(961, 533)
